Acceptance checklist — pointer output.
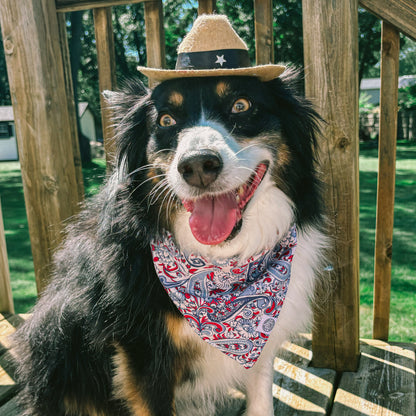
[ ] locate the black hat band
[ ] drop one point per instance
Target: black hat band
(219, 59)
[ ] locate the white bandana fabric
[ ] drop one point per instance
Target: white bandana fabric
(230, 304)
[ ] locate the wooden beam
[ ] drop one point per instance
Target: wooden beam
(37, 86)
(263, 18)
(155, 35)
(206, 7)
(330, 32)
(106, 74)
(74, 5)
(6, 298)
(399, 13)
(390, 50)
(66, 62)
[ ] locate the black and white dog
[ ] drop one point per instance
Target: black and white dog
(222, 168)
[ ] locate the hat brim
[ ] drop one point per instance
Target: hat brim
(262, 72)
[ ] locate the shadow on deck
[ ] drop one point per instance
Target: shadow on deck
(384, 384)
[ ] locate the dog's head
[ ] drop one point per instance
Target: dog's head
(224, 163)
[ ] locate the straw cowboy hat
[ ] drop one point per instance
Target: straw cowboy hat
(213, 48)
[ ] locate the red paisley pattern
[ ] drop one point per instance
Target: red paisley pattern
(231, 304)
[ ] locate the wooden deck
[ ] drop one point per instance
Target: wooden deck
(384, 384)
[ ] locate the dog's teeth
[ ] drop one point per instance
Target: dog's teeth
(237, 198)
(241, 190)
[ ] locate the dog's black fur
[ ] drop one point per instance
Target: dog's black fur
(105, 296)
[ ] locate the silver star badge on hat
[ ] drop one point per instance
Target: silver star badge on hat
(220, 60)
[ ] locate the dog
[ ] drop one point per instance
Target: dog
(226, 166)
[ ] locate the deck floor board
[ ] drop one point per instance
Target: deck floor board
(384, 384)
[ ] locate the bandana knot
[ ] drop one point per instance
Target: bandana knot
(231, 304)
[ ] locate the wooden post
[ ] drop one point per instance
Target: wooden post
(386, 178)
(6, 298)
(155, 35)
(37, 86)
(330, 29)
(206, 6)
(63, 38)
(106, 75)
(263, 17)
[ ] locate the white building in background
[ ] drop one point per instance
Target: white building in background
(8, 143)
(371, 87)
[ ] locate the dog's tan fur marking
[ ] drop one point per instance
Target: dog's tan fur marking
(222, 88)
(174, 326)
(176, 99)
(74, 408)
(187, 350)
(126, 387)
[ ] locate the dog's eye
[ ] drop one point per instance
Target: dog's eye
(241, 105)
(166, 120)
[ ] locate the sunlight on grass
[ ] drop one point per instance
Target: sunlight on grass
(17, 232)
(403, 299)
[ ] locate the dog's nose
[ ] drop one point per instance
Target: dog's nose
(200, 168)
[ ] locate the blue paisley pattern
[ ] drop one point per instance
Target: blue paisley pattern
(230, 304)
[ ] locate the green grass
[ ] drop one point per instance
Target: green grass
(403, 286)
(403, 298)
(17, 232)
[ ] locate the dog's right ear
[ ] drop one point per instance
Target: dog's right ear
(130, 108)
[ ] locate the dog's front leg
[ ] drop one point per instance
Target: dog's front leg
(259, 385)
(142, 384)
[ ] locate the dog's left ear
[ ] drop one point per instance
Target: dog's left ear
(130, 107)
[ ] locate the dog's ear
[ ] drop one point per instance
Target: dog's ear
(300, 125)
(130, 108)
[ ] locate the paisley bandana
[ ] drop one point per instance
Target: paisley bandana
(230, 304)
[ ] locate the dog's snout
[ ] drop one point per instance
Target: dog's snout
(200, 168)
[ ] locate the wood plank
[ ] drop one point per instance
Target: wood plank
(8, 386)
(74, 5)
(399, 13)
(386, 178)
(263, 25)
(206, 6)
(107, 75)
(6, 297)
(155, 35)
(330, 31)
(37, 86)
(298, 387)
(11, 408)
(384, 384)
(8, 327)
(66, 62)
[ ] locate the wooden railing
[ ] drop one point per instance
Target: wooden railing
(39, 76)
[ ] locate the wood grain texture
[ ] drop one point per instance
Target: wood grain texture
(66, 62)
(299, 388)
(74, 5)
(106, 75)
(263, 20)
(206, 6)
(331, 77)
(390, 50)
(6, 298)
(37, 86)
(399, 13)
(384, 384)
(155, 35)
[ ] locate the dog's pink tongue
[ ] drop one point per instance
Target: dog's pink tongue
(213, 218)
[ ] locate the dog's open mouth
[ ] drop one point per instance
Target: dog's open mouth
(213, 218)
